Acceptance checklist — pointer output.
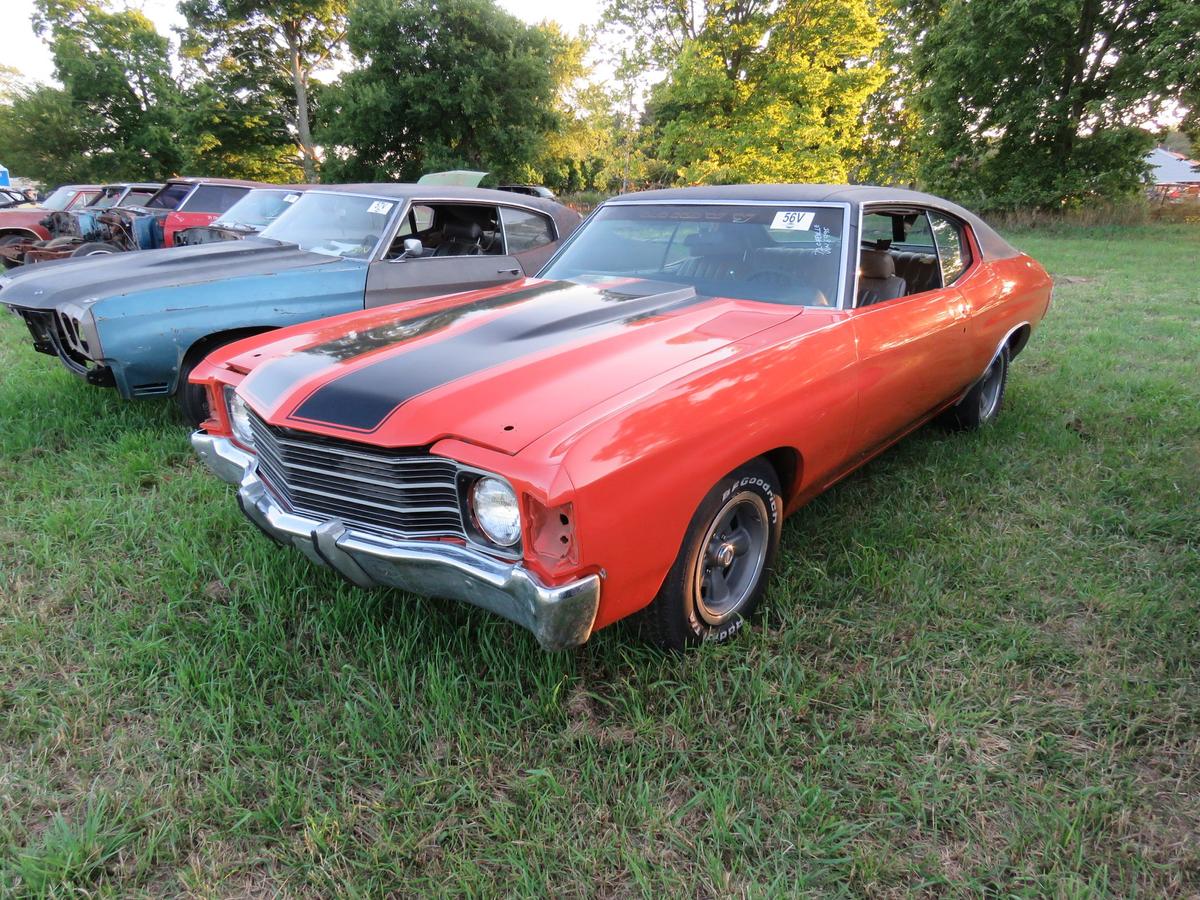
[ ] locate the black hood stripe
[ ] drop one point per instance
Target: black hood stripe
(555, 314)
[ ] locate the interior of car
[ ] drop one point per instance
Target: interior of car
(449, 229)
(904, 252)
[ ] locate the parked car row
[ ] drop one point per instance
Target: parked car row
(458, 392)
(95, 220)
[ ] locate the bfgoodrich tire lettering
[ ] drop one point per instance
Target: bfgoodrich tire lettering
(720, 575)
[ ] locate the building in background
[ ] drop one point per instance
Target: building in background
(1172, 177)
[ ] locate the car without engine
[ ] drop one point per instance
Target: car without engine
(625, 432)
(141, 322)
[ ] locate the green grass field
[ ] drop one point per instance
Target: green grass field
(977, 674)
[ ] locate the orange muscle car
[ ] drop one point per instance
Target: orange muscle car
(626, 431)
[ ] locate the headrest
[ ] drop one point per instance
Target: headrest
(462, 231)
(876, 264)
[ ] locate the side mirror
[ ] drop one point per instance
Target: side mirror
(412, 248)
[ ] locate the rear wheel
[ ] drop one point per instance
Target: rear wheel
(982, 403)
(721, 572)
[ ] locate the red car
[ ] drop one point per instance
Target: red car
(626, 431)
(196, 201)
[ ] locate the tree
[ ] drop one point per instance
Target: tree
(763, 91)
(269, 43)
(439, 85)
(45, 138)
(1041, 102)
(891, 124)
(118, 86)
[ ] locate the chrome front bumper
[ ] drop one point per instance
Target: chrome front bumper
(559, 617)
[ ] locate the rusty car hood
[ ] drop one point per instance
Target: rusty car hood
(499, 367)
(86, 281)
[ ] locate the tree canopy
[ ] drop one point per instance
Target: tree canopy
(997, 103)
(1041, 102)
(439, 85)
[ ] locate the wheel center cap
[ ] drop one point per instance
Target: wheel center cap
(725, 554)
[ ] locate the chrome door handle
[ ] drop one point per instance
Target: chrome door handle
(508, 271)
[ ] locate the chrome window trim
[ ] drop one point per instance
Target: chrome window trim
(844, 205)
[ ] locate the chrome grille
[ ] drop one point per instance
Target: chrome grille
(397, 493)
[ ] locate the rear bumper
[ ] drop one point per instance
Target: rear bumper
(559, 616)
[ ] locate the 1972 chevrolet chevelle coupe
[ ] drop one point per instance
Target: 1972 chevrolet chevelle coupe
(142, 322)
(627, 430)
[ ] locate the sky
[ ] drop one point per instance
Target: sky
(26, 52)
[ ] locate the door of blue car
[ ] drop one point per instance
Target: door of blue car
(443, 248)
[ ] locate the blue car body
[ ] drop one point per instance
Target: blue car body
(136, 322)
(145, 314)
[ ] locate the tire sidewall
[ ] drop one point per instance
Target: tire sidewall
(682, 624)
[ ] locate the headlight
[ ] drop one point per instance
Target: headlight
(239, 417)
(494, 505)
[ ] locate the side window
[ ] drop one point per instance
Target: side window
(213, 198)
(451, 229)
(952, 249)
(525, 230)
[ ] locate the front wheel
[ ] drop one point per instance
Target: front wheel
(982, 403)
(721, 573)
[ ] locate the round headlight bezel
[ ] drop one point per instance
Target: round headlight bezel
(490, 497)
(238, 413)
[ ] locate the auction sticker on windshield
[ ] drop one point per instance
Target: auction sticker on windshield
(792, 220)
(381, 207)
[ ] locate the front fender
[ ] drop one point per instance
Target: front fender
(145, 336)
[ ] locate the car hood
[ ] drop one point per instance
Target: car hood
(499, 368)
(86, 281)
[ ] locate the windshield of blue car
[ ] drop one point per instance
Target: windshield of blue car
(59, 198)
(335, 224)
(776, 253)
(258, 209)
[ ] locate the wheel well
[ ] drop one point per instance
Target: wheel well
(788, 467)
(210, 342)
(19, 232)
(1017, 341)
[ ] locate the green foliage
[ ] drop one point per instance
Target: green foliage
(263, 53)
(445, 85)
(767, 92)
(46, 136)
(116, 76)
(1039, 102)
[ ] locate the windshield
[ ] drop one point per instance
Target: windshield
(258, 208)
(59, 198)
(783, 253)
(335, 224)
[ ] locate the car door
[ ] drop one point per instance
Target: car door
(399, 277)
(914, 350)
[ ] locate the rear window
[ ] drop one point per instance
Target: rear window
(213, 198)
(525, 230)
